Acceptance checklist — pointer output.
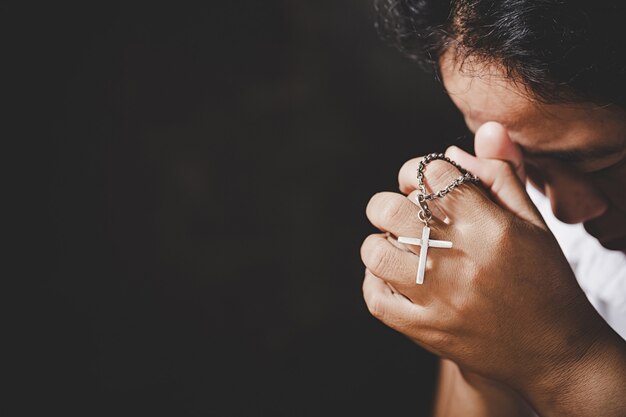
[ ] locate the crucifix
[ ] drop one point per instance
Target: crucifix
(425, 243)
(425, 215)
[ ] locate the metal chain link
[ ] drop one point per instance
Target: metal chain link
(425, 215)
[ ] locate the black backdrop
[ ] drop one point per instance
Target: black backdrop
(205, 171)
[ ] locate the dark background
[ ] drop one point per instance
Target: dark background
(204, 171)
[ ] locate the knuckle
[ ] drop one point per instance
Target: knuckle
(439, 339)
(462, 304)
(440, 173)
(503, 231)
(504, 168)
(498, 164)
(382, 205)
(502, 237)
(503, 173)
(408, 168)
(392, 208)
(404, 169)
(376, 306)
(371, 204)
(381, 257)
(413, 196)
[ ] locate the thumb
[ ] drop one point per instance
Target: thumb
(492, 142)
(502, 180)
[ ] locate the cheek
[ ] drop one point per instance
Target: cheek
(613, 185)
(573, 196)
(535, 176)
(610, 228)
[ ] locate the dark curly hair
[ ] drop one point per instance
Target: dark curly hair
(560, 50)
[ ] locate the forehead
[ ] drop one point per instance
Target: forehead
(484, 93)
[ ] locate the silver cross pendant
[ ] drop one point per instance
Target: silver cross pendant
(425, 243)
(425, 215)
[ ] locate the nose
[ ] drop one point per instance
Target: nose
(574, 198)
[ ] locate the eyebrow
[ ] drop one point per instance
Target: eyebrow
(574, 155)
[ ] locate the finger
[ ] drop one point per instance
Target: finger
(503, 182)
(394, 213)
(407, 180)
(407, 177)
(492, 142)
(396, 266)
(390, 307)
(434, 208)
(439, 175)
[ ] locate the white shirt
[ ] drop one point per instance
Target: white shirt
(600, 272)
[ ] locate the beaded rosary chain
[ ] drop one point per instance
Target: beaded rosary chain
(425, 215)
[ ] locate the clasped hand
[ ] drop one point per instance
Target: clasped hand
(503, 302)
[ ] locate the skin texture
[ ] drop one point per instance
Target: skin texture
(574, 153)
(503, 307)
(479, 397)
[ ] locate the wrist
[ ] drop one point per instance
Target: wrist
(471, 395)
(590, 385)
